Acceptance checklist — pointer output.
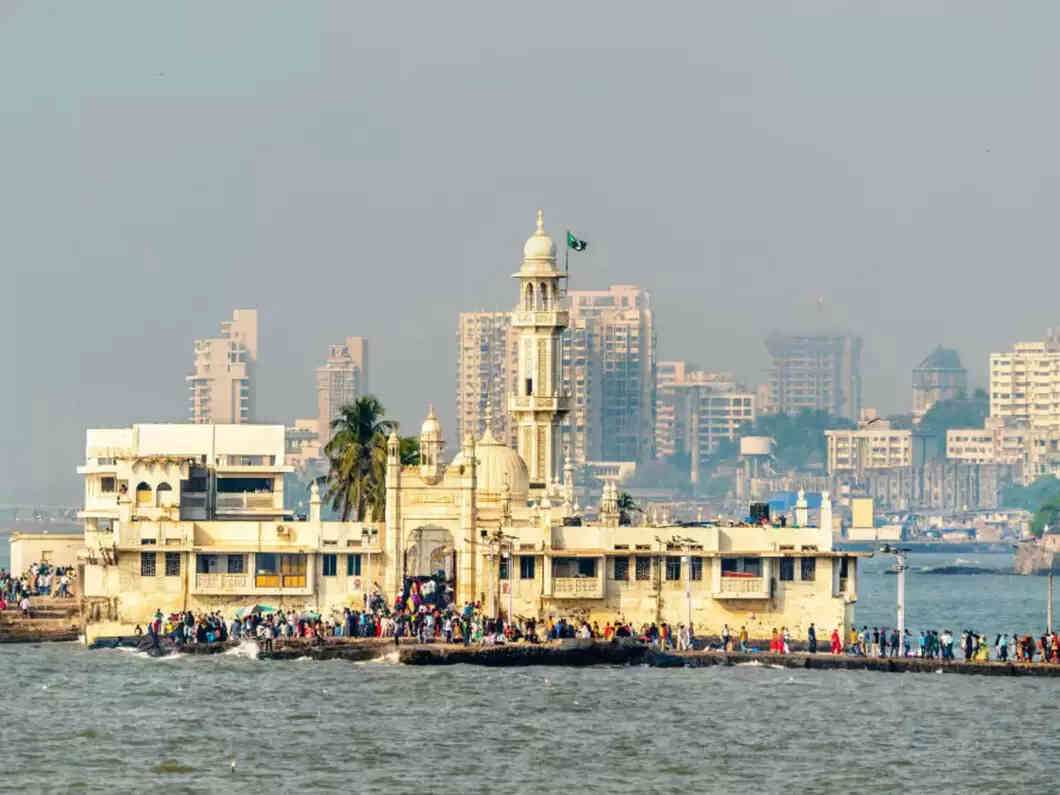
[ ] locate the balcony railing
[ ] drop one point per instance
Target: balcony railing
(243, 501)
(742, 588)
(539, 402)
(577, 588)
(228, 583)
(558, 317)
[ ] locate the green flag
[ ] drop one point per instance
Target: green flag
(575, 243)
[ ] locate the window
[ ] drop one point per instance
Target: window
(235, 564)
(206, 564)
(620, 570)
(643, 568)
(504, 567)
(695, 571)
(353, 565)
(586, 567)
(526, 567)
(809, 569)
(106, 485)
(787, 569)
(172, 564)
(330, 564)
(147, 564)
(673, 568)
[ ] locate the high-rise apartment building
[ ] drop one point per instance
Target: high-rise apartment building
(817, 372)
(695, 410)
(221, 389)
(608, 357)
(609, 371)
(939, 377)
(340, 381)
(1025, 396)
(487, 364)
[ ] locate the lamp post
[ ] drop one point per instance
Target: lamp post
(899, 555)
(365, 541)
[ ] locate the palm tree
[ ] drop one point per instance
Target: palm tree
(625, 507)
(356, 454)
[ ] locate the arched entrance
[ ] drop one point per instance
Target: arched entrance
(430, 554)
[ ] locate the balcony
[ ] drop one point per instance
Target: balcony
(253, 502)
(221, 583)
(743, 588)
(539, 403)
(577, 588)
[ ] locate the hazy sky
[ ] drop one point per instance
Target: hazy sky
(374, 168)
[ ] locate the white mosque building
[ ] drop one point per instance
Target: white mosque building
(191, 517)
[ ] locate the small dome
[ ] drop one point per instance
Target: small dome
(498, 465)
(431, 427)
(539, 247)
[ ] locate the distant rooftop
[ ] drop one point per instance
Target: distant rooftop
(941, 359)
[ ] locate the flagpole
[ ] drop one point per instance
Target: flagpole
(566, 253)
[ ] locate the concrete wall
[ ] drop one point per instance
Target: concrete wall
(57, 549)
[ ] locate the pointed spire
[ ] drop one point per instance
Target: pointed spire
(540, 223)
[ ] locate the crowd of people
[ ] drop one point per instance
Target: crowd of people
(426, 612)
(39, 579)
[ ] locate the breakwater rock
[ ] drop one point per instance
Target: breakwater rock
(1035, 558)
(582, 653)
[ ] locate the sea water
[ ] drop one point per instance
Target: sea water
(111, 720)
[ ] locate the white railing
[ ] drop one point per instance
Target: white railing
(541, 318)
(577, 587)
(220, 582)
(244, 500)
(742, 585)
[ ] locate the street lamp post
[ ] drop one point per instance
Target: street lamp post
(899, 555)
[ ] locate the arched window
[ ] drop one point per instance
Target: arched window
(143, 493)
(165, 493)
(529, 297)
(542, 296)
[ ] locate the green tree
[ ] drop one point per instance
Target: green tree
(356, 453)
(409, 450)
(947, 414)
(1033, 496)
(800, 440)
(1048, 514)
(626, 507)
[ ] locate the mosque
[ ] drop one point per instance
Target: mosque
(191, 517)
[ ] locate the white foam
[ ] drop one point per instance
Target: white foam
(246, 648)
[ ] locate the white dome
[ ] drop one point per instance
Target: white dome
(431, 427)
(497, 464)
(539, 247)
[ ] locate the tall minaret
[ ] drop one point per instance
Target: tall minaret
(539, 404)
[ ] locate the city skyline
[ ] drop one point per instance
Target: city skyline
(180, 185)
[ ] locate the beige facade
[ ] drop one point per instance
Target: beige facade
(609, 370)
(487, 366)
(815, 373)
(340, 381)
(221, 388)
(608, 361)
(498, 529)
(1025, 394)
(57, 549)
(874, 446)
(695, 410)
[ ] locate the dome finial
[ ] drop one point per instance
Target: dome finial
(540, 223)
